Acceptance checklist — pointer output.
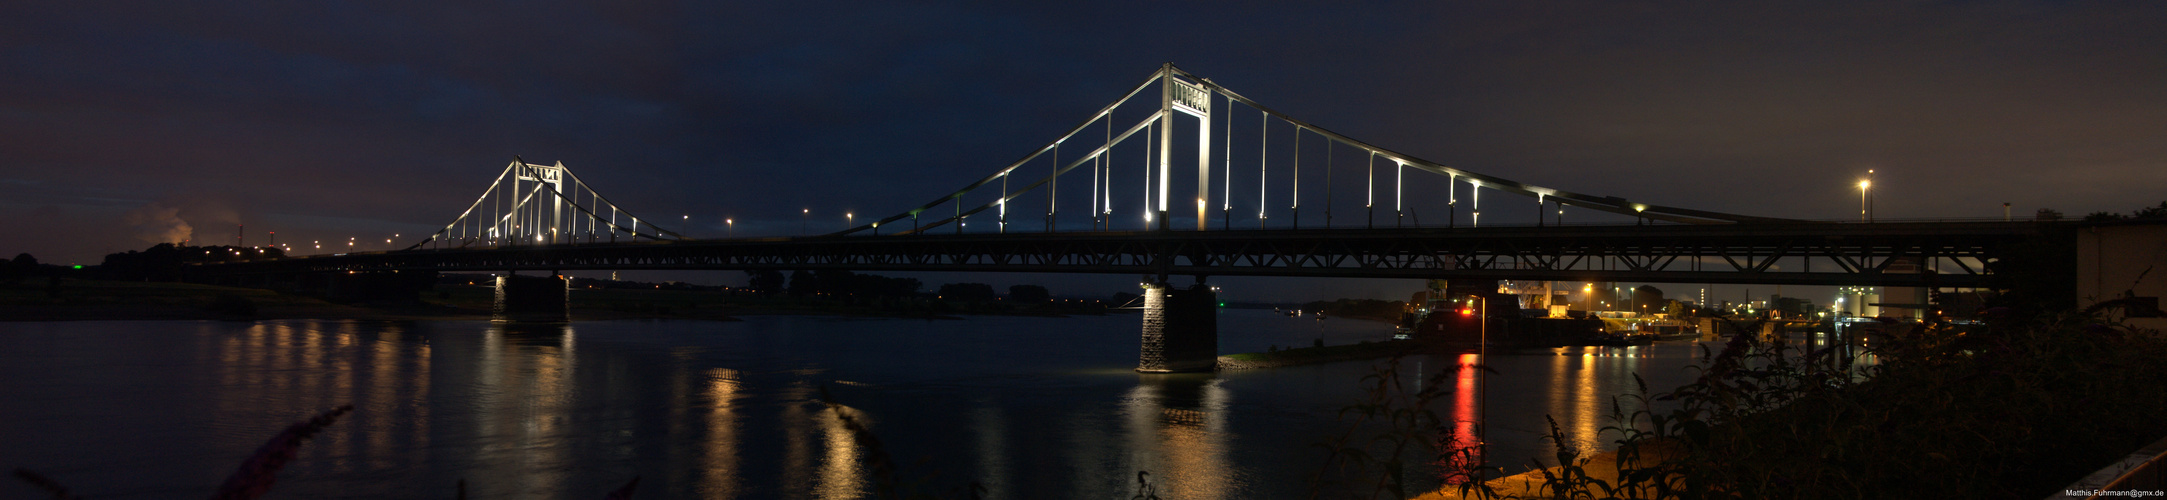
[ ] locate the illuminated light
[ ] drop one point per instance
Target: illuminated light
(80, 266)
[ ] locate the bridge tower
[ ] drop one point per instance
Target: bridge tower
(1193, 99)
(553, 176)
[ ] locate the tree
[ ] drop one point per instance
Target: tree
(2158, 212)
(834, 283)
(1028, 293)
(16, 269)
(803, 283)
(873, 285)
(2102, 217)
(764, 280)
(967, 291)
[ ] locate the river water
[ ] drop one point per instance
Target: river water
(1023, 406)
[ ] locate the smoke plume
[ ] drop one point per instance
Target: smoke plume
(157, 223)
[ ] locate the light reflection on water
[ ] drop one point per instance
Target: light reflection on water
(1023, 406)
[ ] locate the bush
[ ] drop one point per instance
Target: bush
(2011, 409)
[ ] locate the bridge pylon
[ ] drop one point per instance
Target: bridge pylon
(533, 204)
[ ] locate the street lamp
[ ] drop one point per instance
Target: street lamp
(1865, 186)
(1869, 195)
(1483, 384)
(687, 224)
(731, 225)
(806, 215)
(850, 220)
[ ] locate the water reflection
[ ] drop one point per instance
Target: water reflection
(522, 401)
(822, 456)
(1583, 383)
(720, 410)
(989, 428)
(1177, 430)
(275, 371)
(719, 478)
(1466, 410)
(840, 476)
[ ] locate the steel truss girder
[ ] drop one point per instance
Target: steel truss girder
(1806, 254)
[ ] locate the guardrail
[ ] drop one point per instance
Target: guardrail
(2144, 469)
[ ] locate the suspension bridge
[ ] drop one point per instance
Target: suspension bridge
(1125, 169)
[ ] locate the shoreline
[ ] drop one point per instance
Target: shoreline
(99, 300)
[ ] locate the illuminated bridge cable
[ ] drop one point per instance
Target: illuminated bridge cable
(957, 196)
(1190, 93)
(537, 213)
(1226, 210)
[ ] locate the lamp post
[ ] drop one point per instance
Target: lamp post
(850, 220)
(686, 222)
(1482, 389)
(1864, 187)
(731, 225)
(803, 219)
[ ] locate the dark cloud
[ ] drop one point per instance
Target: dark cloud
(335, 119)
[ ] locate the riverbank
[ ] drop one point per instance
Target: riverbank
(81, 300)
(99, 300)
(1599, 467)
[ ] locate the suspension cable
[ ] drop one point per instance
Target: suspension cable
(1264, 156)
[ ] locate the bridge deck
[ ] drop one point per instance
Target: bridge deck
(1889, 254)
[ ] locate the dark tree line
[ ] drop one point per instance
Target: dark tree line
(165, 262)
(850, 284)
(831, 283)
(2147, 213)
(23, 266)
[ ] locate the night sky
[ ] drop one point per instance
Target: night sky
(127, 123)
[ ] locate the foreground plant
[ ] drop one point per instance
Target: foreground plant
(2013, 408)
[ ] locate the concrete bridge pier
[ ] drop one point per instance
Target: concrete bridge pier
(532, 299)
(1181, 329)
